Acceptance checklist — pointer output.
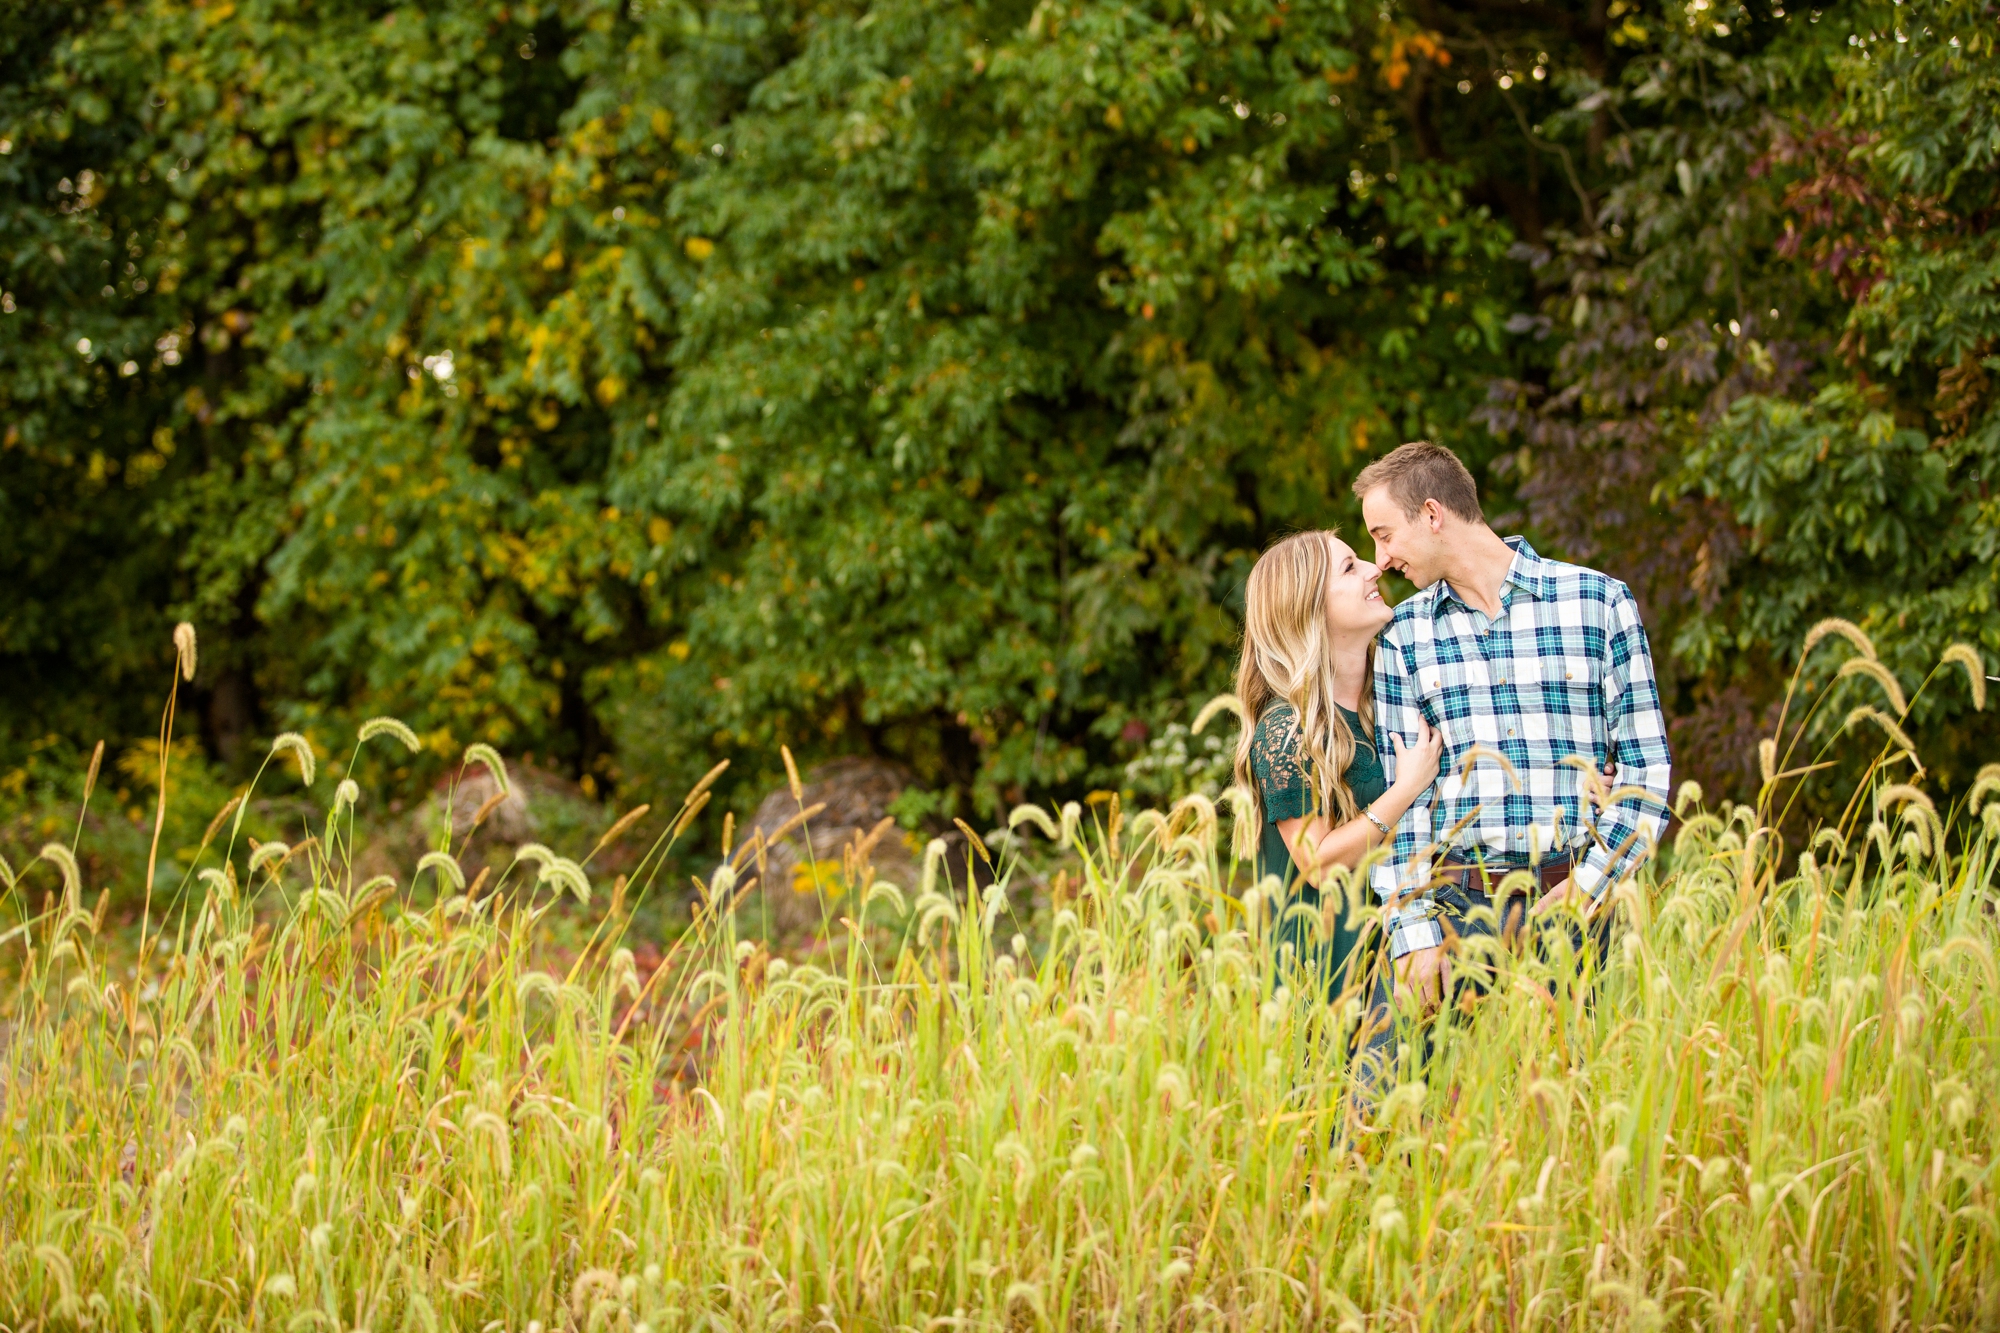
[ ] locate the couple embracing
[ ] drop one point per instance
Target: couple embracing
(1466, 727)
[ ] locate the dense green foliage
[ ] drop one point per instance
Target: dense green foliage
(628, 382)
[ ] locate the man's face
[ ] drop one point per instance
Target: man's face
(1410, 544)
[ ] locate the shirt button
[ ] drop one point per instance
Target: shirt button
(1510, 731)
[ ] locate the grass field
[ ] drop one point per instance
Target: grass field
(308, 1102)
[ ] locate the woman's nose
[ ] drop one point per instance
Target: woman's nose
(1370, 572)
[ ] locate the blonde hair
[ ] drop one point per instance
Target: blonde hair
(1287, 656)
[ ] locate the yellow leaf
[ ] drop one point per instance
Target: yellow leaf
(699, 248)
(554, 260)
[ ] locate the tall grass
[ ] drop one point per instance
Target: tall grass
(321, 1103)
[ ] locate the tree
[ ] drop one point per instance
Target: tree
(1752, 463)
(633, 382)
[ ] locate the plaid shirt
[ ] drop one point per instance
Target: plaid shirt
(1564, 670)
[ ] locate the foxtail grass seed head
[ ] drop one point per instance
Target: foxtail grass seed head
(707, 781)
(479, 752)
(885, 892)
(1478, 754)
(534, 853)
(935, 853)
(1900, 793)
(345, 795)
(973, 840)
(487, 807)
(694, 806)
(90, 775)
(1846, 629)
(370, 892)
(1221, 703)
(6, 874)
(268, 854)
(215, 824)
(1987, 783)
(792, 775)
(184, 649)
(1243, 820)
(1967, 656)
(447, 868)
(301, 750)
(1875, 671)
(391, 727)
(720, 885)
(567, 874)
(59, 856)
(218, 882)
(619, 829)
(1889, 726)
(1034, 814)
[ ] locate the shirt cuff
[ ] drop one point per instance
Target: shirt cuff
(1409, 936)
(1592, 879)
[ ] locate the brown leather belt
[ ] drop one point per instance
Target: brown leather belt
(1486, 878)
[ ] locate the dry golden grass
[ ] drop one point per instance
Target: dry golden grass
(323, 1103)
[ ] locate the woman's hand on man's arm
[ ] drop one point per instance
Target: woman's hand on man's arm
(1416, 766)
(1316, 844)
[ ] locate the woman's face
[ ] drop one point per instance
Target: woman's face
(1354, 605)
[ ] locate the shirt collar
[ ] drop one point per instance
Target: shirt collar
(1528, 572)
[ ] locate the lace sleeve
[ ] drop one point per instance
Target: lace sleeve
(1278, 764)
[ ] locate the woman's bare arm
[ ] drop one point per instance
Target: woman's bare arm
(1317, 844)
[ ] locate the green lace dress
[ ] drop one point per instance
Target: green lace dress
(1279, 765)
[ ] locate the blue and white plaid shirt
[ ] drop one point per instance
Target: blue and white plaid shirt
(1563, 670)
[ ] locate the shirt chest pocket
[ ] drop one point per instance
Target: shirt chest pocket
(1572, 683)
(1570, 694)
(1447, 692)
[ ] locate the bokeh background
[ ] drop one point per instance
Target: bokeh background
(635, 384)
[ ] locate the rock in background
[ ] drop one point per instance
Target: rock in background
(808, 871)
(540, 807)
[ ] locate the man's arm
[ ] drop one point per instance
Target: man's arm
(1628, 830)
(1397, 714)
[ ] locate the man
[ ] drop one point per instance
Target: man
(1528, 658)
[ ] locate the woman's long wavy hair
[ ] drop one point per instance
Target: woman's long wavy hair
(1287, 656)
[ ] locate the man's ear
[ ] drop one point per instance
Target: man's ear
(1434, 515)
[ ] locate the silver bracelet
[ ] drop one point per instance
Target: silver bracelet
(1368, 813)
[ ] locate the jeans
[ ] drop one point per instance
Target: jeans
(1470, 913)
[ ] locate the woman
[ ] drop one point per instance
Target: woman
(1312, 611)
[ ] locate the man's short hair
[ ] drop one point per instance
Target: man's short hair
(1420, 471)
